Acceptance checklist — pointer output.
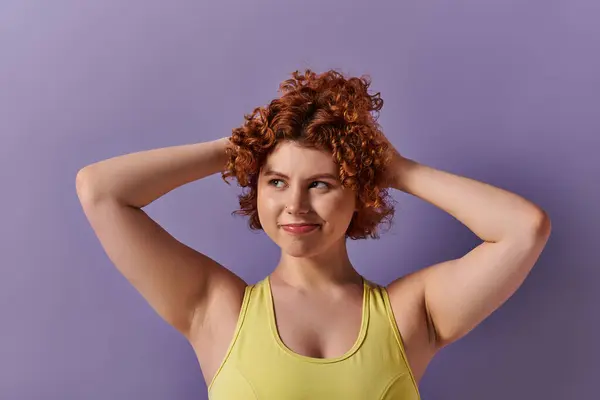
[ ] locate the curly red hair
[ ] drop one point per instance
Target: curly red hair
(328, 112)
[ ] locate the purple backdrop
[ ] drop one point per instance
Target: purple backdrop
(503, 91)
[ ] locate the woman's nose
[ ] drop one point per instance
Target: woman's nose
(298, 202)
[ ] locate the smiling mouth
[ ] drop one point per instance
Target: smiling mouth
(299, 229)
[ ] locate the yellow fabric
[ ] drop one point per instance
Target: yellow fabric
(258, 365)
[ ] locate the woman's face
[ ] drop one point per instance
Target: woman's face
(302, 205)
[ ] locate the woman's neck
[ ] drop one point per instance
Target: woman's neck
(321, 271)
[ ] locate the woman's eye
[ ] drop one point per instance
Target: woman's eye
(276, 182)
(319, 185)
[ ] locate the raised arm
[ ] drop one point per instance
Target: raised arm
(458, 294)
(175, 280)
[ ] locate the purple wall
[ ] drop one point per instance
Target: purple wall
(503, 91)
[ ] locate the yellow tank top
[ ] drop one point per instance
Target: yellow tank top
(258, 365)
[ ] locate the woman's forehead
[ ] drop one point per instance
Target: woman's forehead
(290, 158)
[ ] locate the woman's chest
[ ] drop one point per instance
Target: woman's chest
(318, 329)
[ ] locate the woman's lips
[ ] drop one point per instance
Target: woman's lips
(299, 228)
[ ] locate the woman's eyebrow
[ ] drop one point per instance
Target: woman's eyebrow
(271, 172)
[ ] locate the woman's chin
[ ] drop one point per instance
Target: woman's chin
(302, 249)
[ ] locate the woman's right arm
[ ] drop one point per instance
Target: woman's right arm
(178, 282)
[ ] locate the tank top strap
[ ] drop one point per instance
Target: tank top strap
(379, 323)
(384, 326)
(257, 312)
(383, 316)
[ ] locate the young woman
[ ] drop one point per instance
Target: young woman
(316, 170)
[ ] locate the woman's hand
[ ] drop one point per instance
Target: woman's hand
(396, 165)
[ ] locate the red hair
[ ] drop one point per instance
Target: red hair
(328, 112)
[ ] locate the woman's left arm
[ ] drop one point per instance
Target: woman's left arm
(460, 293)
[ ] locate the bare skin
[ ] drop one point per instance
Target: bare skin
(318, 309)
